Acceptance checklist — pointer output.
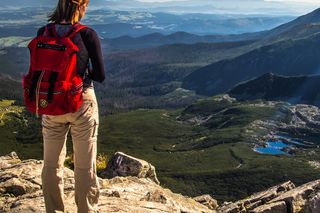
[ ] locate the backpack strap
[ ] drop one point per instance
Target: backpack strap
(75, 29)
(50, 30)
(52, 80)
(35, 78)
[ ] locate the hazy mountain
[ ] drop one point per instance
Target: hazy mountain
(310, 18)
(26, 3)
(10, 89)
(157, 39)
(286, 57)
(187, 6)
(296, 54)
(137, 24)
(293, 89)
(13, 61)
(298, 28)
(111, 23)
(301, 27)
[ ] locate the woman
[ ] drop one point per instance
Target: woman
(83, 123)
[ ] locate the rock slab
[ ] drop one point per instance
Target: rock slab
(283, 198)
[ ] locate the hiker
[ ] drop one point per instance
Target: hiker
(65, 21)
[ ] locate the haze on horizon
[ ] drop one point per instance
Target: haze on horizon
(239, 7)
(245, 7)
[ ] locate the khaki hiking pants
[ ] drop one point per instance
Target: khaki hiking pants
(84, 130)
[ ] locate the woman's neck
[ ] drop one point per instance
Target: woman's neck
(65, 22)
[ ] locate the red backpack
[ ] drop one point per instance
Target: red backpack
(53, 86)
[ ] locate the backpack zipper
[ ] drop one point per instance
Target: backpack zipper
(38, 92)
(51, 46)
(55, 92)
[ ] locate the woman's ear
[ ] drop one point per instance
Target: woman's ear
(81, 8)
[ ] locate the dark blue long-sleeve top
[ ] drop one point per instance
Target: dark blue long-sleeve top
(89, 46)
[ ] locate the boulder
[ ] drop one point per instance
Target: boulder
(125, 165)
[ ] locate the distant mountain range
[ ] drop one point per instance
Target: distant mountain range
(157, 39)
(297, 54)
(26, 3)
(186, 6)
(115, 23)
(301, 27)
(292, 89)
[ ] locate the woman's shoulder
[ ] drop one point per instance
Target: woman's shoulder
(41, 30)
(88, 32)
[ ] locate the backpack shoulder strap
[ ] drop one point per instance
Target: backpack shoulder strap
(75, 29)
(50, 30)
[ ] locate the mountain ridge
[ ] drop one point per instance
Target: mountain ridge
(180, 37)
(281, 50)
(288, 57)
(292, 89)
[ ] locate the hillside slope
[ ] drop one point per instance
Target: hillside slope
(310, 18)
(293, 89)
(290, 57)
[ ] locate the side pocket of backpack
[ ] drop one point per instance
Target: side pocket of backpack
(26, 86)
(75, 98)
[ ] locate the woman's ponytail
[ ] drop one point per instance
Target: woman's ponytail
(67, 10)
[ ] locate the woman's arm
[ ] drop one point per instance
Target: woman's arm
(92, 42)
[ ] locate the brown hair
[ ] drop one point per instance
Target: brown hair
(67, 10)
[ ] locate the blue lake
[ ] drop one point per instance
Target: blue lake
(289, 139)
(272, 148)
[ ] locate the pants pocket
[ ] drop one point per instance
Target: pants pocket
(95, 129)
(87, 108)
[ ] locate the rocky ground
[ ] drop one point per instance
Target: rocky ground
(20, 189)
(135, 189)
